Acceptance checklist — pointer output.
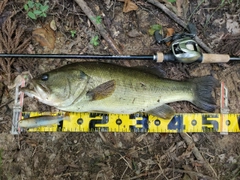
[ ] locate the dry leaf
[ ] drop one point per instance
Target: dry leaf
(170, 32)
(179, 8)
(53, 25)
(129, 6)
(45, 36)
(134, 33)
(232, 24)
(182, 8)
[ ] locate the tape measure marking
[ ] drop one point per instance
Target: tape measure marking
(184, 122)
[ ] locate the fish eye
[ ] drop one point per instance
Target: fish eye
(44, 77)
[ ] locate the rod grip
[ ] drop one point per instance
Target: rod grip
(215, 58)
(160, 57)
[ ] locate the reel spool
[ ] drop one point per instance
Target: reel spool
(186, 50)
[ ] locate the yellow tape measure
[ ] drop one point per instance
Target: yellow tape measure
(183, 122)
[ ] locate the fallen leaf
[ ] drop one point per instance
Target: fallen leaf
(129, 6)
(232, 24)
(222, 157)
(185, 8)
(134, 33)
(53, 25)
(182, 8)
(170, 32)
(45, 36)
(108, 4)
(179, 7)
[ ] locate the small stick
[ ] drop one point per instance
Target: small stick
(195, 173)
(196, 153)
(180, 22)
(173, 169)
(103, 137)
(124, 172)
(100, 27)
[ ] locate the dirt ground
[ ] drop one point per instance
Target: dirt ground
(117, 155)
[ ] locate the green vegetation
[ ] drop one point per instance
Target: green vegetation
(36, 9)
(73, 33)
(172, 1)
(97, 19)
(153, 28)
(94, 41)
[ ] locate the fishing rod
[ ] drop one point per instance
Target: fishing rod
(177, 56)
(183, 49)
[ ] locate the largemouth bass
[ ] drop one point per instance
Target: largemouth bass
(108, 88)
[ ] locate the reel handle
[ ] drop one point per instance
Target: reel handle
(215, 58)
(205, 58)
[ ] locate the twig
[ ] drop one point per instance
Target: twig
(195, 10)
(100, 27)
(197, 154)
(2, 5)
(160, 167)
(194, 173)
(177, 177)
(145, 174)
(180, 22)
(2, 105)
(103, 137)
(128, 164)
(124, 172)
(176, 170)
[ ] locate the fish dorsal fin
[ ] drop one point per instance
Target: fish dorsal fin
(102, 91)
(153, 69)
(164, 111)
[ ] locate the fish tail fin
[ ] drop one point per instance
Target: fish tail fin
(203, 87)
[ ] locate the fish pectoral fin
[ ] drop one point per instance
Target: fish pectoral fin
(102, 91)
(164, 111)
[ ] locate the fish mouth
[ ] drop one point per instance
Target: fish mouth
(35, 90)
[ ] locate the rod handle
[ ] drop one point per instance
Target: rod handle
(215, 58)
(160, 57)
(165, 57)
